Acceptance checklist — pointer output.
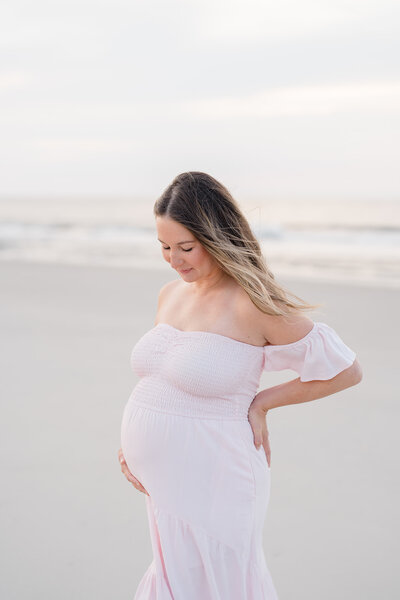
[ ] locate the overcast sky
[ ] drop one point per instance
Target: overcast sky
(276, 99)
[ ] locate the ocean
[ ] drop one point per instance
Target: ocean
(348, 241)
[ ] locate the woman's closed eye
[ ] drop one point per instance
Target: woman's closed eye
(187, 250)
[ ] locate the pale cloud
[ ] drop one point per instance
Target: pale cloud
(56, 149)
(370, 97)
(301, 101)
(259, 20)
(235, 22)
(10, 80)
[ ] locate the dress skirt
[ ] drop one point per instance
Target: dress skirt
(208, 491)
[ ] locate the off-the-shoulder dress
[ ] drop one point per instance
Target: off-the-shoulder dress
(186, 436)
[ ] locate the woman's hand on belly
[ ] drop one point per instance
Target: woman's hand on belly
(128, 474)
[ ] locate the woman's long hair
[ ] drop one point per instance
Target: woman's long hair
(206, 208)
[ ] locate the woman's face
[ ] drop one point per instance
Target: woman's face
(183, 251)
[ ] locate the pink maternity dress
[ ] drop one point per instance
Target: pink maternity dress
(186, 436)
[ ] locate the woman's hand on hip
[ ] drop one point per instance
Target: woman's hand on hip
(258, 420)
(128, 474)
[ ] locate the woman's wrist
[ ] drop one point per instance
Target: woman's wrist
(260, 402)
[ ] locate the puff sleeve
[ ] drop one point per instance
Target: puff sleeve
(320, 354)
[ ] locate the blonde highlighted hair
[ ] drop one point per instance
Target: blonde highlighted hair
(206, 208)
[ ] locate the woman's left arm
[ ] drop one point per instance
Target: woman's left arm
(315, 351)
(296, 391)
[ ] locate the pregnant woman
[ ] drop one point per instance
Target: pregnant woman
(194, 435)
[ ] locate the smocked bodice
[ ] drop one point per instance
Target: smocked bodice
(208, 374)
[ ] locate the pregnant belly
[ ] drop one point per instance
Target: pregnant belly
(196, 468)
(150, 442)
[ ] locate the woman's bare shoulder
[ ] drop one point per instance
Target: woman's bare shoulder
(168, 287)
(276, 329)
(283, 330)
(167, 291)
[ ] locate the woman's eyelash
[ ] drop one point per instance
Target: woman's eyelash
(188, 250)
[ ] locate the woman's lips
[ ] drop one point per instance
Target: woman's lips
(185, 270)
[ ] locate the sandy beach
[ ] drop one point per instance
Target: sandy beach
(74, 528)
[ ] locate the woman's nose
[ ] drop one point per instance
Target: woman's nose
(174, 260)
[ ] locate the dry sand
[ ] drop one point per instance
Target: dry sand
(74, 528)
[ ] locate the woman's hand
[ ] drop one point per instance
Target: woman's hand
(258, 420)
(128, 474)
